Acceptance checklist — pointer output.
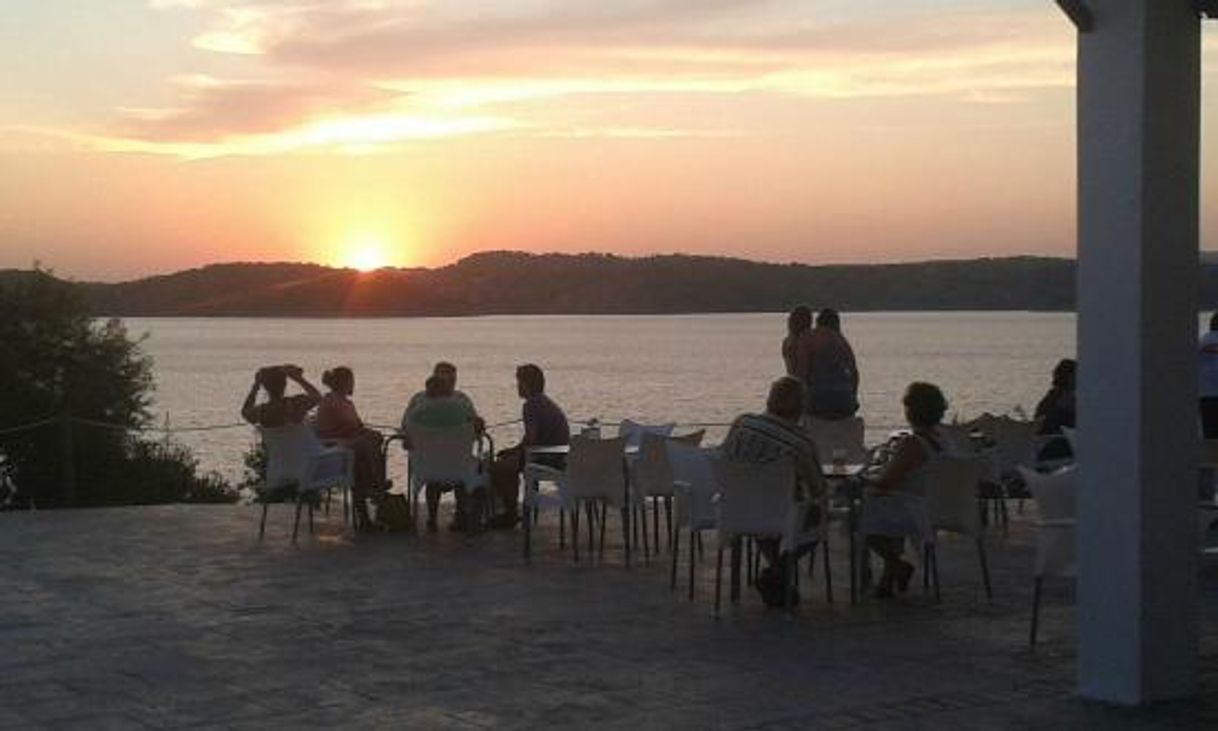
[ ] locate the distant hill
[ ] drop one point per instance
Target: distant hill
(503, 282)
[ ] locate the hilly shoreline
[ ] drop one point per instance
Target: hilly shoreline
(505, 282)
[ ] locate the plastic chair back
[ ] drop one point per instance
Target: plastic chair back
(846, 435)
(756, 499)
(443, 455)
(1014, 444)
(290, 451)
(951, 497)
(692, 467)
(596, 469)
(652, 474)
(1054, 493)
(633, 431)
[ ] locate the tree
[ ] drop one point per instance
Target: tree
(89, 386)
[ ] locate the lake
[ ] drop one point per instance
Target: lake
(687, 368)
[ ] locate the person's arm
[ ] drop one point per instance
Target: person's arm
(854, 368)
(249, 410)
(297, 374)
(910, 456)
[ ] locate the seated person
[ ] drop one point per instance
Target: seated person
(447, 370)
(437, 410)
(778, 433)
(895, 509)
(545, 425)
(278, 409)
(337, 420)
(1056, 409)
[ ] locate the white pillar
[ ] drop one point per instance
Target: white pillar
(1138, 139)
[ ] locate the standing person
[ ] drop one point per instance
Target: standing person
(1207, 371)
(778, 433)
(278, 409)
(895, 508)
(545, 425)
(338, 420)
(795, 345)
(832, 374)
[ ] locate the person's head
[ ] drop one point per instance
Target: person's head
(530, 380)
(274, 379)
(786, 399)
(1063, 373)
(799, 320)
(340, 380)
(438, 387)
(829, 318)
(444, 369)
(925, 404)
(1214, 321)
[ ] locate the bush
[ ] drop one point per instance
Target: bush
(58, 362)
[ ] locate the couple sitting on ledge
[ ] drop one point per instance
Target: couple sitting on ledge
(440, 405)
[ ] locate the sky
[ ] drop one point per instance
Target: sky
(147, 136)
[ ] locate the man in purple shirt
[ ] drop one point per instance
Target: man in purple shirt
(545, 425)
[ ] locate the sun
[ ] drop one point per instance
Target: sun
(365, 253)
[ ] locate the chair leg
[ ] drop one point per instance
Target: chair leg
(748, 562)
(310, 509)
(824, 551)
(626, 526)
(718, 579)
(1037, 583)
(788, 573)
(926, 569)
(655, 522)
(526, 525)
(693, 559)
(668, 520)
(590, 511)
(934, 562)
(604, 522)
(1005, 517)
(735, 577)
(985, 570)
(296, 523)
(642, 518)
(676, 550)
(701, 552)
(562, 529)
(575, 533)
(262, 523)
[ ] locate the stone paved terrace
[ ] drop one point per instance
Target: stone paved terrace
(177, 617)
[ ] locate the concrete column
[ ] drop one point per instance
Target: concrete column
(1138, 139)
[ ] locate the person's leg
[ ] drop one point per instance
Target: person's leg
(889, 549)
(432, 493)
(1209, 417)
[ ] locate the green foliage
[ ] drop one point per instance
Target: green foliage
(57, 361)
(254, 461)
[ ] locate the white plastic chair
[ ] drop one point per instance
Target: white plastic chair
(651, 477)
(595, 473)
(1055, 496)
(634, 431)
(759, 500)
(695, 489)
(839, 436)
(951, 506)
(298, 466)
(443, 456)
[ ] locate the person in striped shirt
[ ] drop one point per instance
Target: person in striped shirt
(761, 438)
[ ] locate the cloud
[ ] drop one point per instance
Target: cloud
(399, 70)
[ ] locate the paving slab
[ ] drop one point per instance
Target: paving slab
(177, 616)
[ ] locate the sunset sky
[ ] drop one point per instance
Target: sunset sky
(146, 136)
